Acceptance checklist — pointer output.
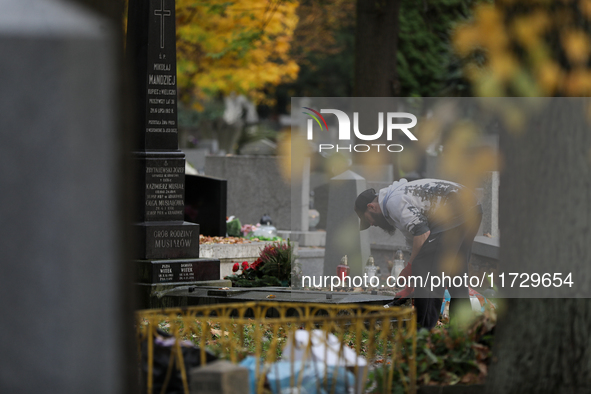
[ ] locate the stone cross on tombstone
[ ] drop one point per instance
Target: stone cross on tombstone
(162, 13)
(169, 246)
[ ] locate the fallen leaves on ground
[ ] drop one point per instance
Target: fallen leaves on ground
(207, 240)
(219, 333)
(448, 357)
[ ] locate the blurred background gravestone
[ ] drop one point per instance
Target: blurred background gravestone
(342, 225)
(255, 187)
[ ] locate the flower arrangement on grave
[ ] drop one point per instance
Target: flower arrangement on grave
(248, 229)
(248, 233)
(271, 268)
(233, 226)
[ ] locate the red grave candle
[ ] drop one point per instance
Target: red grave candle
(343, 269)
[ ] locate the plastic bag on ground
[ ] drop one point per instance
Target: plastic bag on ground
(311, 373)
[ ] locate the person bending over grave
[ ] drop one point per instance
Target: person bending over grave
(440, 220)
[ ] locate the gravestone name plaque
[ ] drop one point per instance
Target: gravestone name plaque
(169, 240)
(164, 190)
(168, 271)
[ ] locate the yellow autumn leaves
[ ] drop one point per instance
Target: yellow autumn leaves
(234, 46)
(534, 48)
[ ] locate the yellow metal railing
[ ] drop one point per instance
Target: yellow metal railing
(384, 338)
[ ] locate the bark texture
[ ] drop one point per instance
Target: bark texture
(543, 345)
(376, 41)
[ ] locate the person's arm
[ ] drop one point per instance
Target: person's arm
(404, 293)
(407, 271)
(417, 244)
(412, 219)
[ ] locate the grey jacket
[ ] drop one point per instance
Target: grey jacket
(426, 205)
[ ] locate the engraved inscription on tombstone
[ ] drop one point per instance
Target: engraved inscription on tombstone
(173, 271)
(160, 78)
(165, 186)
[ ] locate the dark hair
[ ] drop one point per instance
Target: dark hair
(361, 202)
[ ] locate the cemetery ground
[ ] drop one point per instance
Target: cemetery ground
(442, 357)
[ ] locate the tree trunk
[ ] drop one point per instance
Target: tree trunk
(543, 345)
(376, 40)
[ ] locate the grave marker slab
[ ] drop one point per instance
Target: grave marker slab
(270, 194)
(342, 225)
(205, 203)
(191, 296)
(219, 377)
(173, 271)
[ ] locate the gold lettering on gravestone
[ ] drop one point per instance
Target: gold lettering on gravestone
(162, 66)
(164, 191)
(165, 273)
(187, 272)
(172, 243)
(173, 238)
(162, 106)
(161, 79)
(162, 92)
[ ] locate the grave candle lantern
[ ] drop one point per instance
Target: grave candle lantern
(398, 263)
(343, 268)
(370, 268)
(266, 228)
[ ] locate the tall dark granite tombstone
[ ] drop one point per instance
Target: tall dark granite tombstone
(169, 246)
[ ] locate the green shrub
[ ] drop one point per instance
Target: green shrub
(445, 356)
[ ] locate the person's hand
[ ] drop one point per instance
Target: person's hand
(397, 301)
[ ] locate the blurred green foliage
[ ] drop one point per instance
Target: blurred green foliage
(427, 65)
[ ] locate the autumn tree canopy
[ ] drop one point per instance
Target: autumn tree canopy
(233, 46)
(533, 48)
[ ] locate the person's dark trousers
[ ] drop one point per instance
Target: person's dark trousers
(446, 253)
